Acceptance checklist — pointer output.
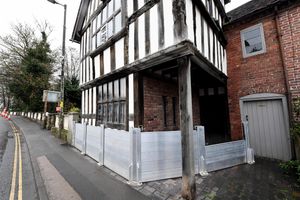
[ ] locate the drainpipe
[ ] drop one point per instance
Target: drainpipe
(285, 74)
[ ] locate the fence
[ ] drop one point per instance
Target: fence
(52, 119)
(147, 156)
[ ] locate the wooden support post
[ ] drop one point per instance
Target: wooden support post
(138, 100)
(186, 127)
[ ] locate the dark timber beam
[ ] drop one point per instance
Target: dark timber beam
(212, 23)
(138, 12)
(179, 15)
(168, 55)
(186, 127)
(138, 99)
(165, 55)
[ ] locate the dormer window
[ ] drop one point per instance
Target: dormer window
(107, 24)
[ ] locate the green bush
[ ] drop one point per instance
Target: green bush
(75, 109)
(295, 130)
(64, 134)
(292, 168)
(54, 131)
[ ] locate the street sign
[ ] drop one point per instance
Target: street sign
(51, 96)
(58, 109)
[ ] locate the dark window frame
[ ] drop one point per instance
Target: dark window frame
(103, 116)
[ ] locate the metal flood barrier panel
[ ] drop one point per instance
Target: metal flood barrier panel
(94, 143)
(224, 155)
(161, 155)
(117, 151)
(148, 156)
(79, 135)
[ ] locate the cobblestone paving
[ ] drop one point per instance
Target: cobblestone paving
(263, 180)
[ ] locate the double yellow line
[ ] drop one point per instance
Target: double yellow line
(17, 160)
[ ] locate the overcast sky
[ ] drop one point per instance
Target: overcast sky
(26, 11)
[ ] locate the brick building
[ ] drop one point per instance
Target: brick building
(263, 55)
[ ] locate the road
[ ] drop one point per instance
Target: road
(15, 168)
(36, 166)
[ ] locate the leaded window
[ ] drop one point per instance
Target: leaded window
(112, 102)
(107, 23)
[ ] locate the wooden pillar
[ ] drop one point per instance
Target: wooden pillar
(186, 127)
(138, 100)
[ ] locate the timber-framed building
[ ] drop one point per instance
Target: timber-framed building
(141, 58)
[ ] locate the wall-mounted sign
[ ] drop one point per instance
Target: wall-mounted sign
(51, 96)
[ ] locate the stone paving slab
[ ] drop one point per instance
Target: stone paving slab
(263, 180)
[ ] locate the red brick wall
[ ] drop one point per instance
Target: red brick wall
(154, 90)
(289, 22)
(261, 73)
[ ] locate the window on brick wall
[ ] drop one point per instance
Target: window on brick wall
(253, 40)
(112, 101)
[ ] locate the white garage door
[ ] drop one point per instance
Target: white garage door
(268, 130)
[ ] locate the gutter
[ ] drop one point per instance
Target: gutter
(254, 13)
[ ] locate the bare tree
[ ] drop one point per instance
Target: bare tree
(25, 64)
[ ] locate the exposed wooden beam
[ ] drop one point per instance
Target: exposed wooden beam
(213, 24)
(138, 99)
(150, 62)
(179, 15)
(186, 127)
(142, 10)
(165, 55)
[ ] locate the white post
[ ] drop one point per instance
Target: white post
(135, 157)
(102, 147)
(249, 151)
(73, 132)
(84, 139)
(202, 151)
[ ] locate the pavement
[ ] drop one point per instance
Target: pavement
(84, 179)
(4, 130)
(68, 168)
(263, 180)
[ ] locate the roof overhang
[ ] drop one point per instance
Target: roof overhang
(266, 10)
(227, 1)
(82, 11)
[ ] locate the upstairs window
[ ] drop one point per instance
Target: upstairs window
(107, 24)
(253, 41)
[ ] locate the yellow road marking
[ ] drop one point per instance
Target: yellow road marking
(20, 188)
(17, 154)
(13, 181)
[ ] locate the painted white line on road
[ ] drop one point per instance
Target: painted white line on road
(57, 187)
